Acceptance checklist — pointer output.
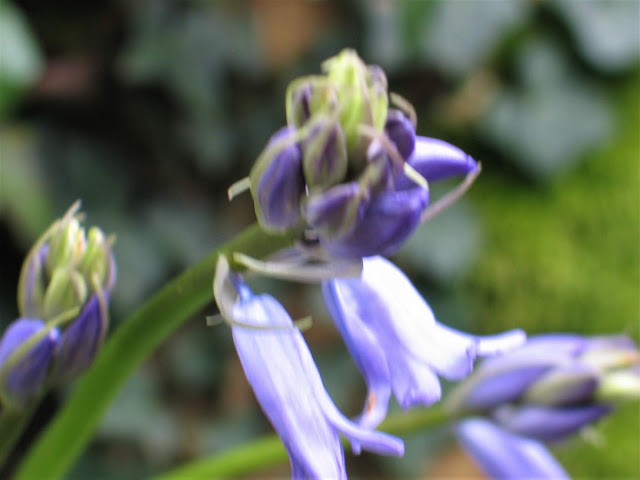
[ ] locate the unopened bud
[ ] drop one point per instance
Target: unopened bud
(24, 363)
(67, 289)
(277, 182)
(335, 212)
(324, 158)
(361, 94)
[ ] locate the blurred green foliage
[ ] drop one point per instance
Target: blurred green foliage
(149, 110)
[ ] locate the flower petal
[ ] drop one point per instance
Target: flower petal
(503, 455)
(27, 375)
(547, 423)
(387, 222)
(437, 160)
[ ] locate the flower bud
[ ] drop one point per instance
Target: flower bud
(361, 93)
(79, 343)
(401, 132)
(389, 219)
(312, 97)
(67, 278)
(22, 375)
(324, 158)
(277, 182)
(553, 385)
(337, 211)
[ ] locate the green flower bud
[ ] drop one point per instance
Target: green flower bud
(67, 289)
(324, 149)
(64, 268)
(362, 96)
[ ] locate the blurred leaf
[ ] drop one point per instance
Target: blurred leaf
(24, 189)
(136, 414)
(20, 58)
(554, 121)
(459, 36)
(607, 33)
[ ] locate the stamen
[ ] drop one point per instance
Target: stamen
(450, 198)
(405, 106)
(239, 187)
(308, 273)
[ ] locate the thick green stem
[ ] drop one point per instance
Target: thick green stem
(269, 452)
(72, 428)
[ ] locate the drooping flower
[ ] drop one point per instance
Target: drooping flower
(504, 455)
(395, 340)
(287, 384)
(26, 349)
(552, 386)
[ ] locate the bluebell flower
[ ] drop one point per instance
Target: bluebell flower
(287, 384)
(23, 376)
(504, 455)
(395, 340)
(553, 386)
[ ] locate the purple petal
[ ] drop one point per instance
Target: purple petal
(363, 344)
(437, 160)
(401, 132)
(389, 220)
(547, 423)
(565, 385)
(504, 386)
(80, 342)
(280, 369)
(336, 211)
(280, 185)
(32, 289)
(503, 455)
(27, 376)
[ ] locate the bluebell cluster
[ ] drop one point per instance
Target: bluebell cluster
(349, 176)
(63, 292)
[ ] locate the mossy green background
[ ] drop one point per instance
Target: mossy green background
(567, 258)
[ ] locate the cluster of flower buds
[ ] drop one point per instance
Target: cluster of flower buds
(552, 386)
(62, 298)
(347, 168)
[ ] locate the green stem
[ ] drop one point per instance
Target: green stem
(66, 437)
(269, 452)
(12, 424)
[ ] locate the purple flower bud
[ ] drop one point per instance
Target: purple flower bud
(550, 387)
(301, 105)
(277, 182)
(401, 132)
(384, 226)
(336, 211)
(395, 340)
(287, 384)
(23, 377)
(548, 424)
(80, 342)
(324, 153)
(437, 160)
(503, 455)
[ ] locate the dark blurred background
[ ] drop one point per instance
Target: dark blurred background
(149, 110)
